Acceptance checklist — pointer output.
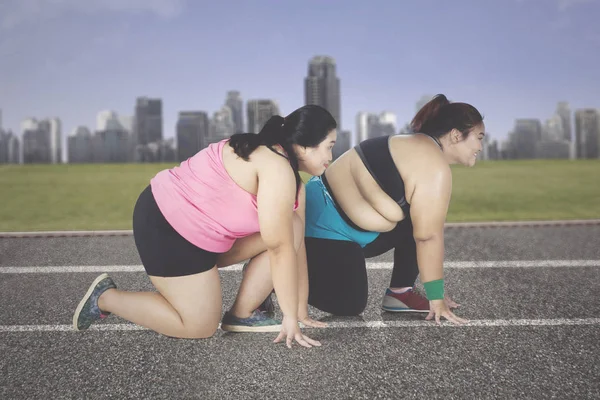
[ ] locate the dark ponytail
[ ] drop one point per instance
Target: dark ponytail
(272, 133)
(245, 143)
(307, 126)
(428, 113)
(439, 116)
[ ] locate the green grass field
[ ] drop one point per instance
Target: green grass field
(97, 197)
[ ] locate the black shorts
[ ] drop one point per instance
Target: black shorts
(163, 251)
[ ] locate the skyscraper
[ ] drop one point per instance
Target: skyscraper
(342, 144)
(192, 130)
(587, 133)
(259, 112)
(527, 134)
(221, 126)
(322, 86)
(42, 140)
(564, 111)
(235, 104)
(370, 125)
(148, 120)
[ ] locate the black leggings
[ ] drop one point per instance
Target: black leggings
(337, 270)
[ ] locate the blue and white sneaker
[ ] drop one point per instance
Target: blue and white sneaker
(88, 312)
(257, 322)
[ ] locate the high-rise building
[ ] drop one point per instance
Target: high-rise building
(322, 86)
(55, 141)
(362, 128)
(9, 148)
(259, 111)
(192, 130)
(42, 141)
(114, 137)
(221, 126)
(79, 144)
(564, 112)
(148, 120)
(526, 136)
(370, 125)
(587, 133)
(553, 129)
(109, 120)
(235, 104)
(342, 144)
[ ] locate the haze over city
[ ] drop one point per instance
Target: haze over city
(511, 59)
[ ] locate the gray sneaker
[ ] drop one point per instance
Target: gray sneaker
(87, 312)
(257, 322)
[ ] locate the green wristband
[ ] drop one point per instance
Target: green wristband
(434, 289)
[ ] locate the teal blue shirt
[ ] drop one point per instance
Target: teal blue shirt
(324, 221)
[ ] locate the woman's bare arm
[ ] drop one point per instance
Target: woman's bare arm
(429, 207)
(276, 198)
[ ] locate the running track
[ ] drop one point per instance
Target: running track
(531, 293)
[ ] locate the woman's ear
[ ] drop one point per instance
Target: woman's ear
(300, 150)
(456, 136)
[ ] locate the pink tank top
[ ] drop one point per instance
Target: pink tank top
(203, 204)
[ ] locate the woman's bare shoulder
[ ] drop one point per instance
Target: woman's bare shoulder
(420, 154)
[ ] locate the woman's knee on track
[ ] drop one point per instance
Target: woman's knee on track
(199, 327)
(344, 307)
(195, 302)
(343, 300)
(198, 331)
(352, 303)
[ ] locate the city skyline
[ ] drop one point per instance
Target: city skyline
(69, 71)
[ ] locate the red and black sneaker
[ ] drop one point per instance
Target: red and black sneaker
(409, 301)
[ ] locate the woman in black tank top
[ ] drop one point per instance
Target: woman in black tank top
(337, 268)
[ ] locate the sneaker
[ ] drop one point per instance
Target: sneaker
(87, 311)
(409, 301)
(266, 307)
(257, 322)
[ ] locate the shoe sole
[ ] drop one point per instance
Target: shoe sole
(85, 298)
(241, 328)
(404, 310)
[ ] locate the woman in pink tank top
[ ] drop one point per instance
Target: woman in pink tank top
(239, 199)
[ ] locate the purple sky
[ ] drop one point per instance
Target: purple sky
(510, 58)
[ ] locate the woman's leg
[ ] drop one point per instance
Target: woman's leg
(188, 301)
(257, 283)
(400, 296)
(184, 307)
(406, 268)
(337, 276)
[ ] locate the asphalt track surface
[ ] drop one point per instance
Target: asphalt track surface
(531, 295)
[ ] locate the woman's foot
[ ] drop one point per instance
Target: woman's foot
(407, 301)
(88, 312)
(257, 322)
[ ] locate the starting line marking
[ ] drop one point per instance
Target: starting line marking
(336, 325)
(370, 265)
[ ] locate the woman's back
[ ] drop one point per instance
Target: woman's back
(360, 195)
(203, 203)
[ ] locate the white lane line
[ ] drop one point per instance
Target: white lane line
(480, 224)
(71, 268)
(336, 325)
(479, 322)
(370, 265)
